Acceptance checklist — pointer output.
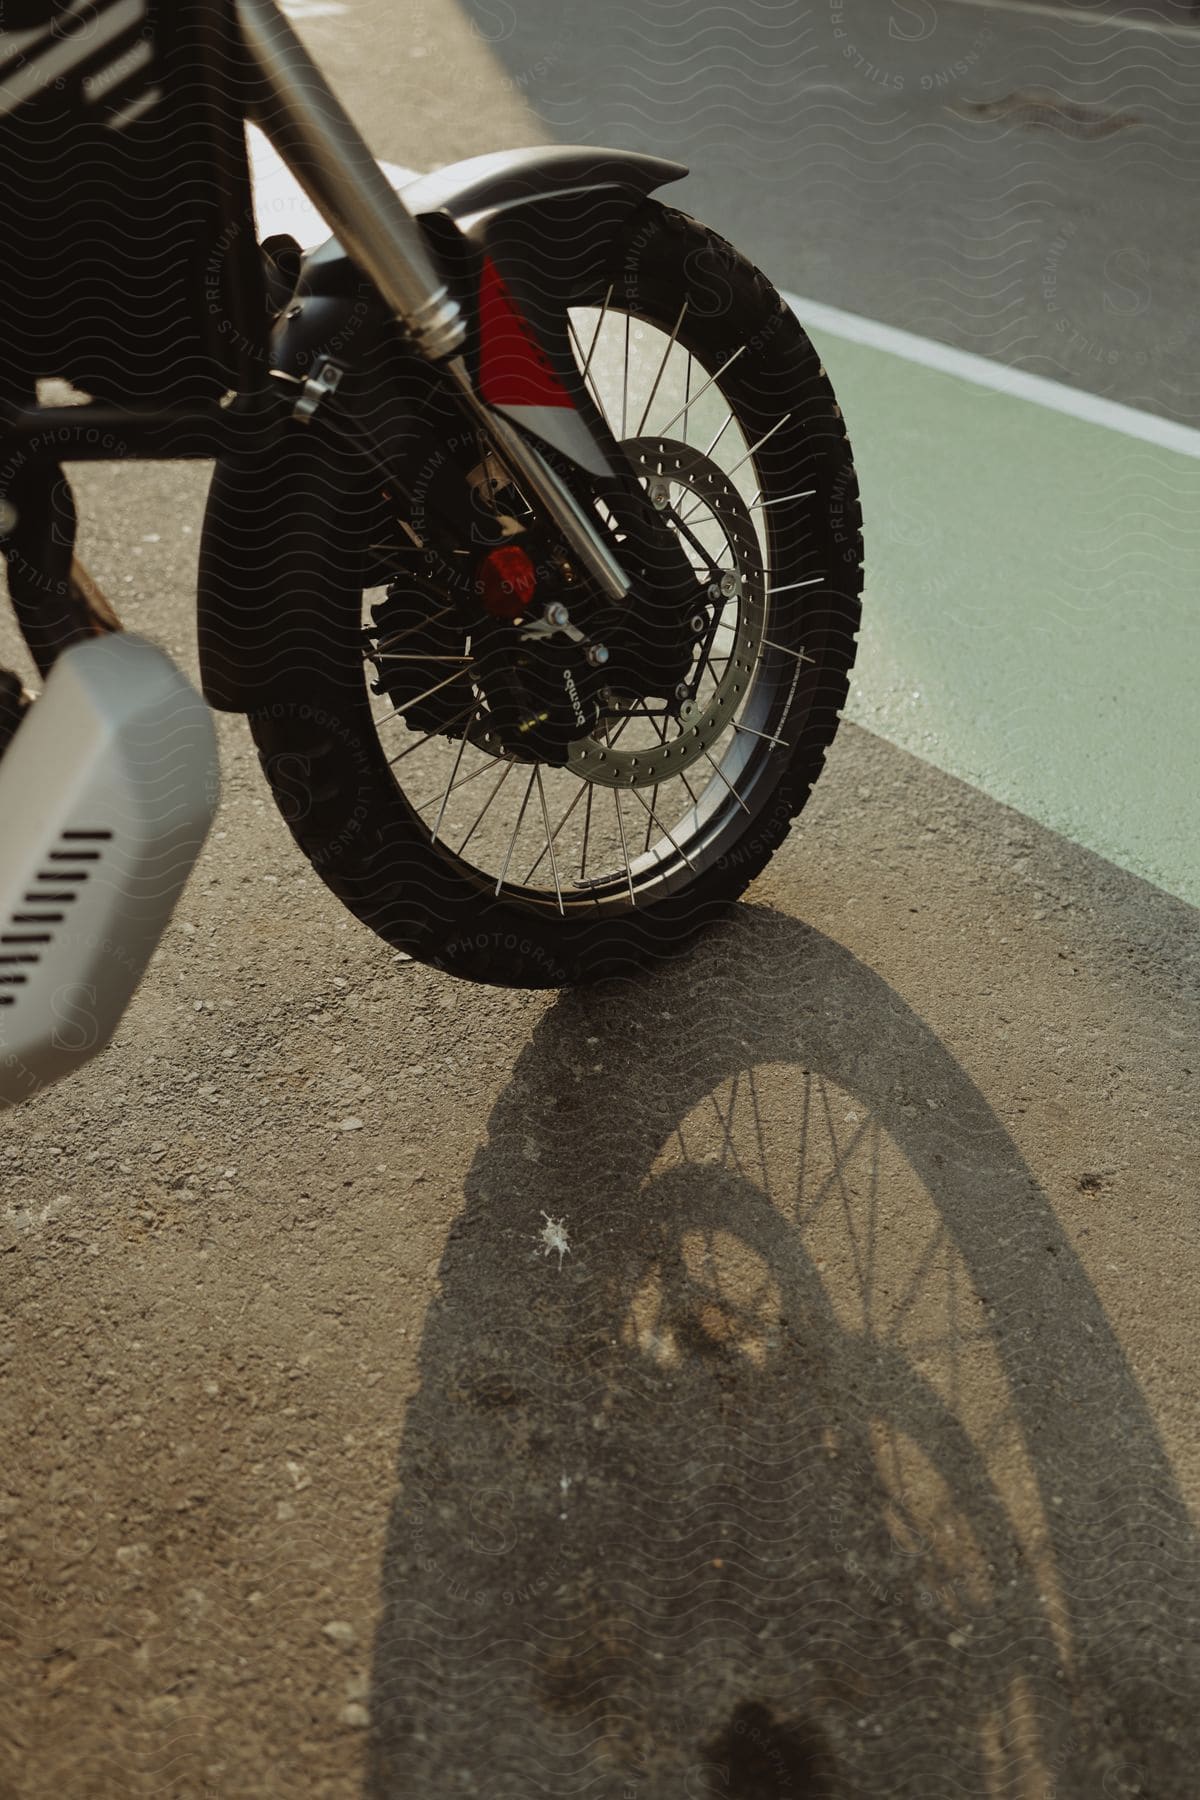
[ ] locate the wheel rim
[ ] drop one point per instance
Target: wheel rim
(645, 803)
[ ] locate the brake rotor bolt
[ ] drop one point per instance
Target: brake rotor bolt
(728, 586)
(697, 623)
(557, 615)
(683, 691)
(596, 655)
(714, 590)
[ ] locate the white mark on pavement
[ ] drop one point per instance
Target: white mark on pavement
(554, 1237)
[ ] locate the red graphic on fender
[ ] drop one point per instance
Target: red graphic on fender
(513, 370)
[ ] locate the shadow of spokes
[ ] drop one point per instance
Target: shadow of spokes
(815, 1468)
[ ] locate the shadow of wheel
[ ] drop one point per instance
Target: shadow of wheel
(815, 1468)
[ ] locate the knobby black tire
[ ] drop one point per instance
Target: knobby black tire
(331, 777)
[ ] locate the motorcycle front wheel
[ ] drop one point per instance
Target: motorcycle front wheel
(508, 870)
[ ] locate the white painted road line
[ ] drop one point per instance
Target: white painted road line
(1077, 403)
(1078, 15)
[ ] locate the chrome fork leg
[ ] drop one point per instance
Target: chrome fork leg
(308, 126)
(311, 130)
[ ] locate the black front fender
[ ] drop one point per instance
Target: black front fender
(548, 219)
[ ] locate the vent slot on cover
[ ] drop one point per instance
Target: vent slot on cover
(14, 960)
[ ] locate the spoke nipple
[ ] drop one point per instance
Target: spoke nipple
(597, 655)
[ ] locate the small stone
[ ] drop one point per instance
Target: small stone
(350, 1125)
(131, 1556)
(339, 1631)
(355, 1714)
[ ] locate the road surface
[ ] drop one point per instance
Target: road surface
(777, 1376)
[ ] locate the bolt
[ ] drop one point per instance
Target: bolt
(697, 623)
(714, 590)
(596, 655)
(729, 585)
(660, 495)
(683, 691)
(557, 615)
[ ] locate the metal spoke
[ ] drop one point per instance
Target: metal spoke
(411, 631)
(756, 504)
(636, 792)
(729, 360)
(585, 376)
(661, 369)
(483, 769)
(416, 656)
(537, 769)
(457, 719)
(625, 383)
(508, 769)
(437, 688)
(596, 334)
(516, 828)
(720, 434)
(755, 448)
(721, 773)
(437, 826)
(800, 655)
(616, 794)
(764, 735)
(790, 586)
(587, 828)
(585, 787)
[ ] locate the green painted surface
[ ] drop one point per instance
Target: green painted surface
(1031, 618)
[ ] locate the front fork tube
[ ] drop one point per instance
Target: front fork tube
(304, 120)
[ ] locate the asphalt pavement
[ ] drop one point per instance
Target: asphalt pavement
(773, 1377)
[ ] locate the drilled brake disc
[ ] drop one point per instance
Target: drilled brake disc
(687, 485)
